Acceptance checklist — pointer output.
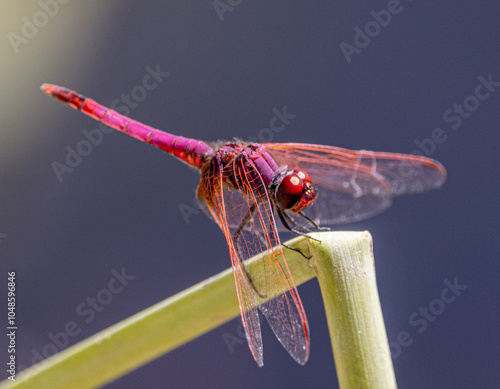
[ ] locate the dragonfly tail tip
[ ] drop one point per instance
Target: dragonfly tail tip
(48, 88)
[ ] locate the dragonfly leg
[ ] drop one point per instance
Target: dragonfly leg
(291, 226)
(237, 234)
(296, 250)
(284, 217)
(313, 223)
(262, 240)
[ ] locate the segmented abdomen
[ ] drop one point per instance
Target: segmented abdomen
(193, 152)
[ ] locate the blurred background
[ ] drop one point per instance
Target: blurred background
(119, 206)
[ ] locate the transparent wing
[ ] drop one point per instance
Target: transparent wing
(249, 207)
(354, 185)
(211, 190)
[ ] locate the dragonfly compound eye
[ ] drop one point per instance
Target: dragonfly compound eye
(295, 191)
(303, 175)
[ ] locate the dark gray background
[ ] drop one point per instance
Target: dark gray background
(120, 206)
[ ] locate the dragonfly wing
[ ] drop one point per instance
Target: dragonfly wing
(211, 189)
(355, 185)
(249, 206)
(289, 324)
(284, 313)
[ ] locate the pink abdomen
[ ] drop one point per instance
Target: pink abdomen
(193, 152)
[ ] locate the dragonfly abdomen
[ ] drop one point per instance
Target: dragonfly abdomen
(193, 152)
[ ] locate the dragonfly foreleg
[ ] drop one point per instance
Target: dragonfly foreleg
(294, 225)
(313, 223)
(291, 226)
(285, 219)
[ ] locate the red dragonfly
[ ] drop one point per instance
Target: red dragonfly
(244, 187)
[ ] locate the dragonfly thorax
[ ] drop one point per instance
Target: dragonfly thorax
(294, 190)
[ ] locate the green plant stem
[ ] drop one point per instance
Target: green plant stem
(181, 318)
(155, 331)
(345, 269)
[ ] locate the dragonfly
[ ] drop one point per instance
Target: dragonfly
(246, 188)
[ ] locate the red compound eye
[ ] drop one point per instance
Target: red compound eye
(295, 191)
(303, 175)
(292, 184)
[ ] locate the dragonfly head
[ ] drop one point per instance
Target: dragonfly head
(295, 191)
